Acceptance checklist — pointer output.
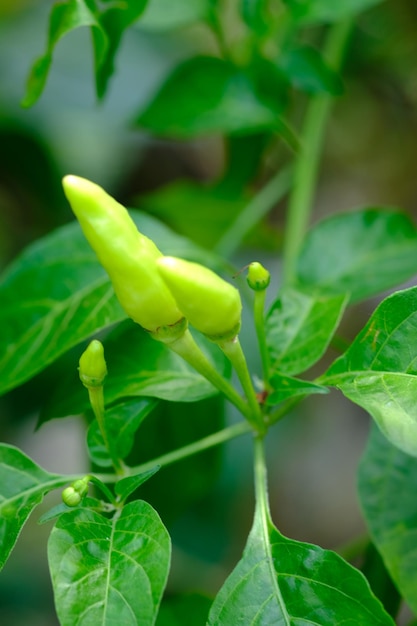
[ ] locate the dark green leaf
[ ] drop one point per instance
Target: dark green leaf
(168, 15)
(109, 571)
(306, 70)
(255, 15)
(126, 486)
(363, 252)
(206, 95)
(387, 479)
(138, 366)
(23, 485)
(59, 509)
(56, 294)
(306, 11)
(121, 423)
(186, 610)
(280, 581)
(378, 371)
(299, 327)
(65, 17)
(284, 387)
(382, 585)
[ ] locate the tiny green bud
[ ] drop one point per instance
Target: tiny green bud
(258, 277)
(93, 367)
(128, 257)
(71, 497)
(211, 305)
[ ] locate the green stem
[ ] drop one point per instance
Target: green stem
(205, 443)
(307, 164)
(97, 404)
(258, 312)
(255, 210)
(187, 348)
(233, 350)
(261, 485)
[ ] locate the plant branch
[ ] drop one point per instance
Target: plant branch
(307, 164)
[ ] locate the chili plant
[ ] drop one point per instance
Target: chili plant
(109, 552)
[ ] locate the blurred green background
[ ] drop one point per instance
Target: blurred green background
(369, 158)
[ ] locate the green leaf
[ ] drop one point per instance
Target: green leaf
(23, 485)
(121, 423)
(184, 610)
(378, 371)
(107, 28)
(362, 252)
(255, 15)
(284, 387)
(109, 571)
(64, 17)
(386, 489)
(167, 15)
(280, 581)
(126, 486)
(55, 294)
(138, 366)
(306, 69)
(299, 327)
(206, 95)
(59, 509)
(318, 11)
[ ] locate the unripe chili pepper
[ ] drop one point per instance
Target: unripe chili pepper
(211, 305)
(93, 369)
(128, 257)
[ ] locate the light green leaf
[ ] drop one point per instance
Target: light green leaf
(386, 483)
(138, 366)
(284, 387)
(109, 571)
(299, 327)
(121, 423)
(280, 581)
(128, 485)
(318, 11)
(378, 371)
(23, 485)
(362, 252)
(55, 294)
(207, 95)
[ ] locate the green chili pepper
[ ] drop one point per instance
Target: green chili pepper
(128, 256)
(210, 304)
(93, 369)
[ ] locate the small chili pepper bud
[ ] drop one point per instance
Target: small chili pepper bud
(210, 304)
(73, 494)
(93, 367)
(128, 257)
(258, 277)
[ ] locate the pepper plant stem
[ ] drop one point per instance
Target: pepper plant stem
(233, 350)
(187, 348)
(97, 404)
(258, 310)
(307, 164)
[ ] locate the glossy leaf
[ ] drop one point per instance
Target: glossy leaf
(23, 485)
(280, 581)
(109, 571)
(121, 423)
(362, 252)
(55, 294)
(107, 28)
(386, 489)
(318, 11)
(284, 387)
(207, 95)
(306, 69)
(138, 366)
(128, 485)
(379, 369)
(299, 327)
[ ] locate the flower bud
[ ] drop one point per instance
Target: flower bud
(93, 367)
(258, 277)
(71, 497)
(210, 304)
(128, 257)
